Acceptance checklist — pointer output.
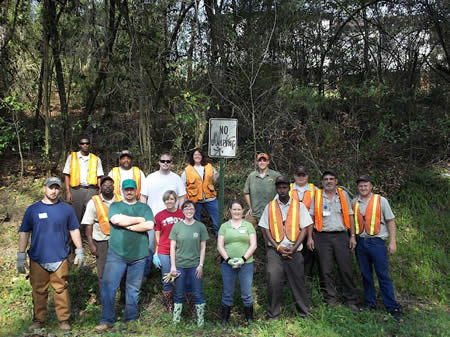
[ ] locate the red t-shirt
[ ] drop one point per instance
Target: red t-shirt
(164, 222)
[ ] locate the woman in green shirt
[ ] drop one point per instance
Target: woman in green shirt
(236, 244)
(187, 255)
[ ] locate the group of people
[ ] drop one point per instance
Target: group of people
(133, 222)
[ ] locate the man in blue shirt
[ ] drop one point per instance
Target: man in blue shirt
(50, 222)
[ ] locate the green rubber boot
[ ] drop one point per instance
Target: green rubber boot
(200, 308)
(177, 308)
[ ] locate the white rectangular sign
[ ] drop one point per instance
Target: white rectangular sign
(222, 137)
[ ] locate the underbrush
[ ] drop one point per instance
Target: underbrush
(418, 269)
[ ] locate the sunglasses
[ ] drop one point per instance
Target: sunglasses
(262, 159)
(85, 143)
(165, 161)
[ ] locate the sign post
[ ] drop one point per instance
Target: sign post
(222, 144)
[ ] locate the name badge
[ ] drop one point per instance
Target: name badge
(242, 231)
(326, 213)
(43, 216)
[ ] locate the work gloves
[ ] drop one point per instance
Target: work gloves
(156, 261)
(79, 257)
(22, 264)
(237, 262)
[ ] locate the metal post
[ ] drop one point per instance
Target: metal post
(221, 191)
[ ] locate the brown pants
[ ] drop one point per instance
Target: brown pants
(40, 279)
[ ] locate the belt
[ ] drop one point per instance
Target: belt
(85, 187)
(376, 238)
(332, 232)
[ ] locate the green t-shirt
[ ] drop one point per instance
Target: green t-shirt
(188, 238)
(237, 241)
(127, 244)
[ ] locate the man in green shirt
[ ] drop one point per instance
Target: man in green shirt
(259, 188)
(128, 248)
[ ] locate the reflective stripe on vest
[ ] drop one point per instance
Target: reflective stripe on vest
(102, 214)
(292, 223)
(195, 187)
(373, 212)
(136, 177)
(318, 209)
(74, 179)
(308, 196)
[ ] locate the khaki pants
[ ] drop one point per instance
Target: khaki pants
(40, 279)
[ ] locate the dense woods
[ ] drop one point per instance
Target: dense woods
(358, 85)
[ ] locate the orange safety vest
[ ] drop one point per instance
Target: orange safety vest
(75, 170)
(292, 223)
(102, 214)
(307, 196)
(318, 208)
(373, 213)
(195, 187)
(136, 178)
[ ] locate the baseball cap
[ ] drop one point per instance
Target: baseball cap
(125, 153)
(129, 183)
(329, 172)
(282, 180)
(262, 155)
(52, 181)
(301, 170)
(105, 178)
(364, 177)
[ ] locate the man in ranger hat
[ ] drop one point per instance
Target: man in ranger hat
(97, 224)
(304, 192)
(285, 222)
(374, 224)
(333, 220)
(125, 171)
(259, 188)
(128, 248)
(50, 222)
(82, 173)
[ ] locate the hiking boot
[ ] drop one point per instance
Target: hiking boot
(103, 327)
(225, 314)
(36, 325)
(65, 326)
(397, 315)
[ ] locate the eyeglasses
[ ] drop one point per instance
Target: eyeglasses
(165, 161)
(85, 143)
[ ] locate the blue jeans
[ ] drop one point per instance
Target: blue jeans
(151, 249)
(183, 282)
(373, 252)
(165, 268)
(212, 207)
(245, 274)
(115, 267)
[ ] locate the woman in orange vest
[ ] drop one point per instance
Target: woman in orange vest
(199, 177)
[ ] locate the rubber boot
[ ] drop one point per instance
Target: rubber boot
(248, 311)
(168, 300)
(225, 314)
(200, 309)
(177, 308)
(190, 303)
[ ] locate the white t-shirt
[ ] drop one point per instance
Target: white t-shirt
(128, 174)
(156, 184)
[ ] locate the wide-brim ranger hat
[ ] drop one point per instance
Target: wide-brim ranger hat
(364, 178)
(129, 183)
(53, 181)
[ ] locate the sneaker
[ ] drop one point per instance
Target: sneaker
(65, 326)
(353, 307)
(103, 327)
(367, 308)
(397, 315)
(36, 325)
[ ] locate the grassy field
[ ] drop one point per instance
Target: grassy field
(419, 271)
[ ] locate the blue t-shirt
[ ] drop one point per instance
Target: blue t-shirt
(49, 225)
